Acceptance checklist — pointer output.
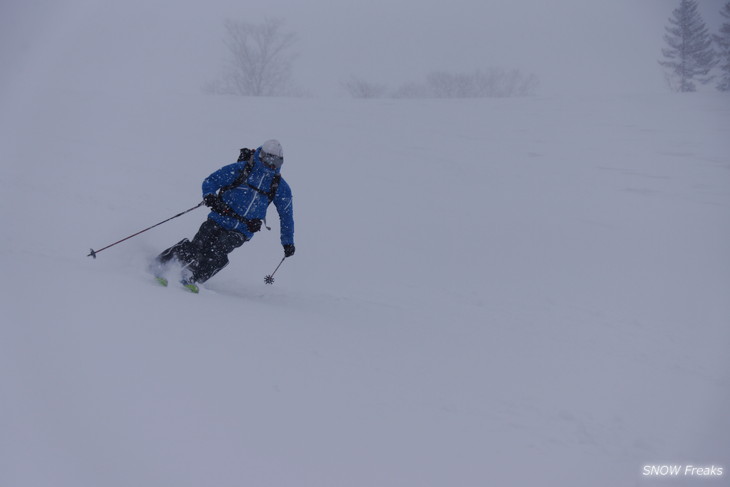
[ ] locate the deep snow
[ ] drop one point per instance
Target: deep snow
(485, 292)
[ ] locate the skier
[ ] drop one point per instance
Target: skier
(238, 195)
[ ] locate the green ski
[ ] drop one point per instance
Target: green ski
(191, 287)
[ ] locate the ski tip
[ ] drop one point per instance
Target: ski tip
(161, 281)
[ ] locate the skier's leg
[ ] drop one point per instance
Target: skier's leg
(180, 250)
(185, 251)
(212, 249)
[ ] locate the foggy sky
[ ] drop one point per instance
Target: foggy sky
(583, 46)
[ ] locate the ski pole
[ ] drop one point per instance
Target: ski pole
(94, 252)
(270, 278)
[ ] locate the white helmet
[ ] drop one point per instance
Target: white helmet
(272, 154)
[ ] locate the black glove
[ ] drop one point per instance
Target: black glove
(253, 225)
(289, 250)
(216, 204)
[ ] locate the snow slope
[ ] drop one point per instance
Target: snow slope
(485, 292)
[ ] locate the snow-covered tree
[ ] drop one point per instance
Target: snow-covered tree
(723, 45)
(690, 55)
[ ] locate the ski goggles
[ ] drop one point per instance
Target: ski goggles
(271, 160)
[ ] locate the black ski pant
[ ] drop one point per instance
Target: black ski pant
(207, 253)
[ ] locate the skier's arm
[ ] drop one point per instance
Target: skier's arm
(222, 177)
(284, 206)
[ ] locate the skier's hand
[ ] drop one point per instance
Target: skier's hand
(289, 250)
(211, 200)
(216, 204)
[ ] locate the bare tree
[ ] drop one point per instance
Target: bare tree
(359, 88)
(447, 85)
(412, 90)
(490, 83)
(260, 59)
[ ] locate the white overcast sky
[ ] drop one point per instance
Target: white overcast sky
(585, 46)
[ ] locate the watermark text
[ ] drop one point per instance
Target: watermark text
(682, 471)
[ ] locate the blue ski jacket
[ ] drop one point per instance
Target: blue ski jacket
(250, 199)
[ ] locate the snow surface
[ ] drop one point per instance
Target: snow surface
(485, 292)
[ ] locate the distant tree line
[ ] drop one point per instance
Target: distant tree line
(489, 83)
(690, 54)
(260, 58)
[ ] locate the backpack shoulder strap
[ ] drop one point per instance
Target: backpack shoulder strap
(274, 187)
(240, 179)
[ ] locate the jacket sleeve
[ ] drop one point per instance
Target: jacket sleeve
(284, 206)
(222, 177)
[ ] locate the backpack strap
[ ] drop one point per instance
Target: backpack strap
(274, 187)
(242, 177)
(270, 194)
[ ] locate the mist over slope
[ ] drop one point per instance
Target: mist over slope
(490, 292)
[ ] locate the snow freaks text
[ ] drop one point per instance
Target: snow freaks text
(682, 471)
